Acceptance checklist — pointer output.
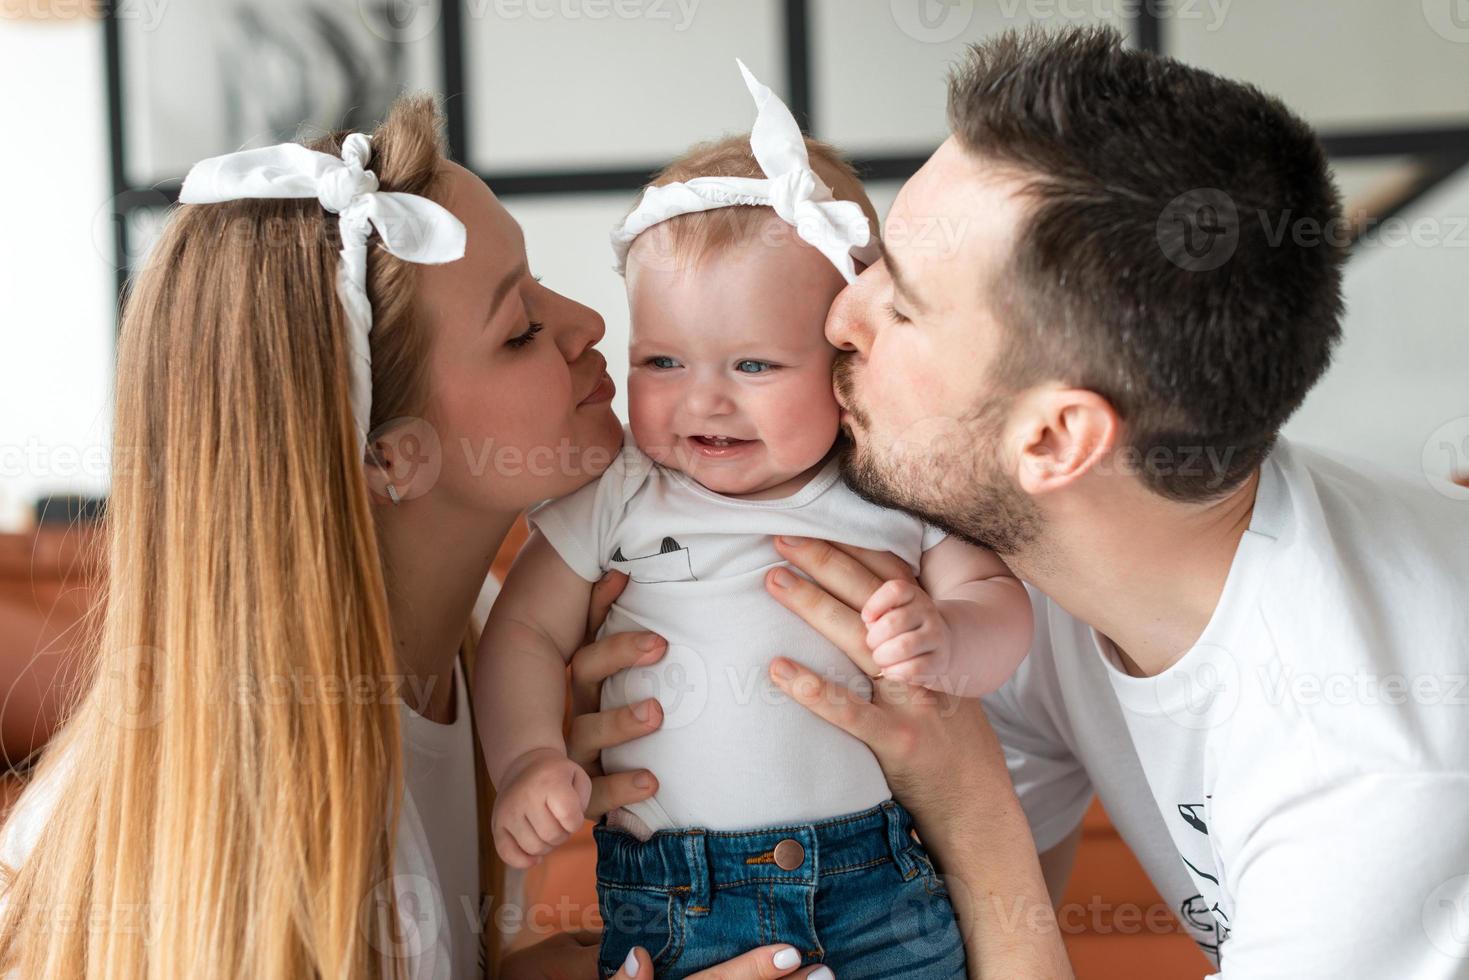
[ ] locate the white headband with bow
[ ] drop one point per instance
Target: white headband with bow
(838, 229)
(411, 227)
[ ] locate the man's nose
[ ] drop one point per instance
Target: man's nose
(849, 322)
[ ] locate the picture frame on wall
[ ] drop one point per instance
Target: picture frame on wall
(213, 76)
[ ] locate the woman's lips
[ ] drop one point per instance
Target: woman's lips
(604, 391)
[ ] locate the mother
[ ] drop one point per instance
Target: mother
(273, 769)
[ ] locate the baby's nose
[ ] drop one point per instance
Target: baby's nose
(707, 401)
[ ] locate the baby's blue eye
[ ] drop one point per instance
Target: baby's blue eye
(759, 368)
(662, 362)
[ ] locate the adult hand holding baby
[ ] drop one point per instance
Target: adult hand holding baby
(939, 753)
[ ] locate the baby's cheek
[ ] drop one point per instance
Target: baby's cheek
(807, 420)
(648, 415)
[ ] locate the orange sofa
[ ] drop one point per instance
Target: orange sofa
(1114, 922)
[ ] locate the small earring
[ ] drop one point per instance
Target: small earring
(393, 494)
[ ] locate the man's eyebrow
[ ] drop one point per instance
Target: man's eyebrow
(502, 289)
(900, 281)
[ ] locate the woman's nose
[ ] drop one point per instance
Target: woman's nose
(581, 328)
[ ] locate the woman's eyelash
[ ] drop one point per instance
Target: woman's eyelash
(527, 337)
(894, 315)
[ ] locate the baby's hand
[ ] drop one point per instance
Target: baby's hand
(543, 802)
(906, 633)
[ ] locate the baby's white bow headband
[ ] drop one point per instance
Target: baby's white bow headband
(411, 227)
(838, 229)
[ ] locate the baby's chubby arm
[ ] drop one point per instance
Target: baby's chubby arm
(537, 622)
(963, 628)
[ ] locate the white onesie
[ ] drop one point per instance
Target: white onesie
(734, 753)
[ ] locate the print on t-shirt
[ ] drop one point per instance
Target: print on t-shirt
(670, 563)
(1201, 911)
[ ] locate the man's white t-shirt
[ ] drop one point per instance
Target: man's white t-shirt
(436, 875)
(733, 751)
(1297, 784)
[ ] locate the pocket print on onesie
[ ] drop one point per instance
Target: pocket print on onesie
(670, 564)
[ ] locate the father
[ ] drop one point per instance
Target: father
(1255, 655)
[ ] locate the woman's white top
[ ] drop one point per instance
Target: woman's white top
(436, 875)
(733, 751)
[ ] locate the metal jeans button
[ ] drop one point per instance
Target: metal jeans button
(789, 854)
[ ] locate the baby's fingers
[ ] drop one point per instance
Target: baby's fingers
(894, 623)
(568, 805)
(901, 649)
(889, 595)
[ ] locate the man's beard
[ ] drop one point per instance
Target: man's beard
(947, 472)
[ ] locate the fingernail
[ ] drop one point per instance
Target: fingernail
(783, 669)
(643, 780)
(791, 542)
(783, 579)
(631, 963)
(643, 710)
(821, 973)
(650, 642)
(786, 958)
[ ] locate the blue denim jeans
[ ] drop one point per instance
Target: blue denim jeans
(857, 893)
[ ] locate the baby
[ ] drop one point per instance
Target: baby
(769, 825)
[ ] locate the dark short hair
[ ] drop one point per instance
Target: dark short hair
(1158, 264)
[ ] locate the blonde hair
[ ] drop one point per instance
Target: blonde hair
(694, 237)
(252, 834)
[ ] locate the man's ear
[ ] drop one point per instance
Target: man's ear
(402, 459)
(1061, 435)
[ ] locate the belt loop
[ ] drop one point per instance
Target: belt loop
(697, 856)
(900, 841)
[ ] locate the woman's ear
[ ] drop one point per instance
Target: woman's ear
(402, 460)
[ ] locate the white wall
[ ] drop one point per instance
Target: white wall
(56, 271)
(878, 87)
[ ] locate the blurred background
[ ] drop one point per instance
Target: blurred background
(566, 107)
